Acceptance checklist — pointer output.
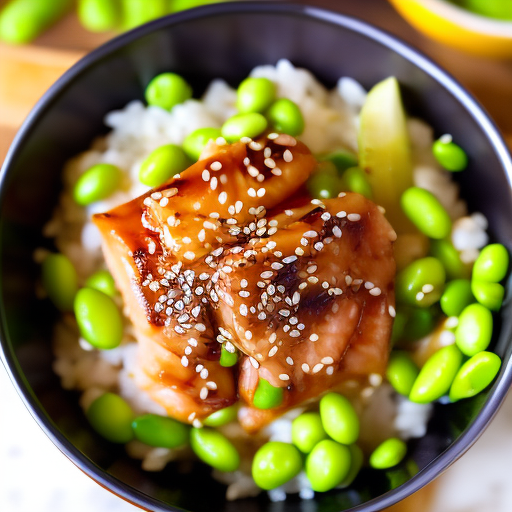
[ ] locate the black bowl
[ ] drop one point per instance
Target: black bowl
(227, 41)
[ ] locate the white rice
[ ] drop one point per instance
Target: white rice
(331, 120)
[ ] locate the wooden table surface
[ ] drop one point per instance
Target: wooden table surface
(26, 72)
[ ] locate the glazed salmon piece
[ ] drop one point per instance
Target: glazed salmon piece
(163, 250)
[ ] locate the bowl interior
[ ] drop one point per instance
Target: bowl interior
(225, 41)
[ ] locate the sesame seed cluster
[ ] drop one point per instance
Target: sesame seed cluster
(234, 253)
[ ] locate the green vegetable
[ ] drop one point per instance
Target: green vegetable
(214, 449)
(328, 465)
(103, 282)
(182, 5)
(357, 458)
(221, 417)
(323, 185)
(307, 431)
(21, 21)
(342, 159)
(99, 15)
(491, 264)
(228, 359)
(384, 150)
(160, 431)
(196, 141)
(97, 183)
(112, 418)
(401, 372)
(339, 418)
(449, 155)
(60, 281)
(426, 212)
(444, 251)
(286, 117)
(167, 90)
(421, 283)
(456, 296)
(474, 330)
(243, 125)
(162, 164)
(267, 396)
(489, 295)
(98, 318)
(354, 180)
(388, 454)
(419, 322)
(255, 95)
(436, 376)
(475, 375)
(138, 12)
(274, 464)
(499, 9)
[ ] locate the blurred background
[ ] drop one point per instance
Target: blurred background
(40, 39)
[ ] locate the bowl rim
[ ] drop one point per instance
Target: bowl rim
(365, 29)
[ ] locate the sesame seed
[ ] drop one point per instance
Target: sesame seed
(299, 251)
(196, 206)
(327, 360)
(420, 296)
(267, 152)
(245, 140)
(254, 363)
(289, 259)
(197, 424)
(354, 217)
(270, 163)
(204, 374)
(220, 141)
(284, 376)
(319, 246)
(272, 231)
(295, 333)
(251, 192)
(184, 361)
(213, 183)
(314, 337)
(310, 234)
(223, 197)
(329, 370)
(211, 385)
(243, 309)
(272, 351)
(216, 166)
(427, 288)
(261, 192)
(296, 298)
(188, 351)
(255, 146)
(368, 285)
(305, 367)
(229, 347)
(205, 175)
(342, 194)
(253, 171)
(289, 360)
(248, 335)
(192, 342)
(164, 202)
(272, 136)
(284, 312)
(392, 311)
(189, 255)
(341, 214)
(336, 231)
(191, 416)
(267, 274)
(203, 394)
(451, 322)
(317, 367)
(201, 327)
(375, 379)
(325, 216)
(375, 291)
(238, 206)
(287, 156)
(276, 171)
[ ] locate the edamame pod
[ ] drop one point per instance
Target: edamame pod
(267, 396)
(388, 454)
(160, 431)
(162, 164)
(401, 372)
(167, 90)
(491, 264)
(196, 141)
(255, 95)
(98, 182)
(474, 331)
(60, 281)
(488, 294)
(307, 431)
(228, 359)
(214, 449)
(354, 179)
(286, 117)
(456, 296)
(243, 125)
(449, 155)
(103, 282)
(339, 418)
(112, 418)
(274, 464)
(99, 15)
(221, 417)
(328, 465)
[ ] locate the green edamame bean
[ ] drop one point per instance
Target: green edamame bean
(112, 418)
(354, 179)
(491, 264)
(357, 458)
(388, 454)
(307, 431)
(228, 359)
(97, 183)
(267, 396)
(446, 253)
(21, 21)
(489, 295)
(342, 159)
(214, 449)
(420, 322)
(98, 319)
(167, 90)
(436, 376)
(243, 125)
(160, 431)
(60, 281)
(322, 185)
(401, 372)
(182, 5)
(274, 464)
(426, 212)
(286, 117)
(456, 296)
(339, 418)
(221, 417)
(475, 375)
(449, 155)
(138, 12)
(162, 164)
(474, 331)
(421, 283)
(103, 282)
(196, 141)
(99, 15)
(499, 9)
(255, 95)
(328, 465)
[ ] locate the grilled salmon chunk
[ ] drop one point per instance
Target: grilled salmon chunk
(233, 251)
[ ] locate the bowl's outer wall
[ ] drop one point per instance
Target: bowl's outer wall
(224, 45)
